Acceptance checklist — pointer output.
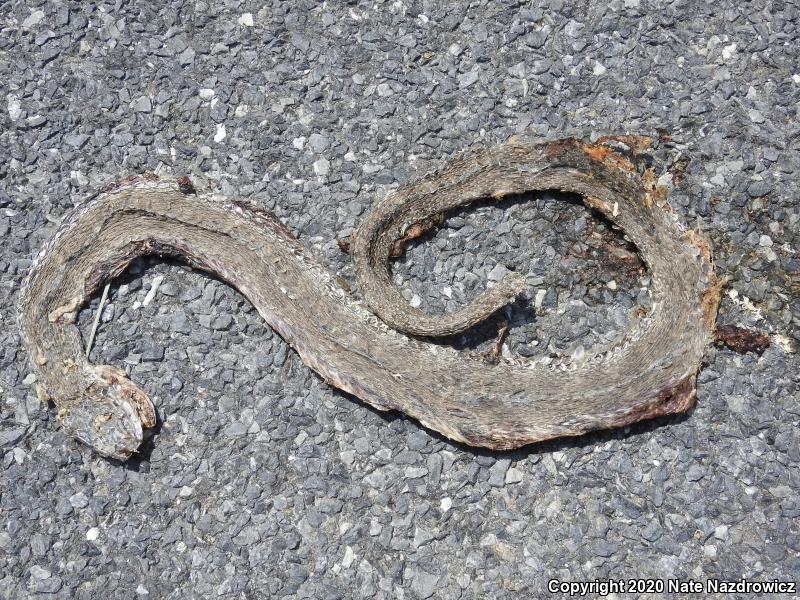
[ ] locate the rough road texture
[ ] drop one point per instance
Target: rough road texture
(262, 480)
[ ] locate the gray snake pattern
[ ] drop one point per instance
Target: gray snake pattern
(375, 348)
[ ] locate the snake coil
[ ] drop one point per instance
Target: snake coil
(503, 406)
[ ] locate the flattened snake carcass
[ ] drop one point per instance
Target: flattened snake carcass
(652, 372)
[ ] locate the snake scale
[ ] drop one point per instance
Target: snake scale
(372, 348)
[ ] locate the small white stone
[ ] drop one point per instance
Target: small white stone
(206, 93)
(186, 491)
(153, 289)
(13, 106)
(349, 555)
(718, 179)
(612, 285)
(497, 273)
(29, 379)
(384, 89)
(38, 572)
(79, 500)
(246, 19)
(322, 167)
(92, 534)
(781, 491)
(375, 528)
(446, 504)
(796, 78)
(598, 69)
(784, 343)
(768, 254)
(733, 166)
(299, 142)
(221, 133)
(513, 475)
(710, 551)
(728, 51)
(33, 19)
(415, 472)
(79, 178)
(765, 241)
(142, 591)
(537, 302)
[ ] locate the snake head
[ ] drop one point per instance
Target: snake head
(111, 414)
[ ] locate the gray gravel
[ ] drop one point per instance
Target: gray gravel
(264, 482)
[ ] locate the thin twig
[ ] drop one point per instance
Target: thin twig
(97, 319)
(493, 354)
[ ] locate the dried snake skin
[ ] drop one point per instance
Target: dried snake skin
(652, 372)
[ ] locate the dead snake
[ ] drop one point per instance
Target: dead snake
(502, 406)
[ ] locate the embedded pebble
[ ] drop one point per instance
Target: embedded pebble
(322, 167)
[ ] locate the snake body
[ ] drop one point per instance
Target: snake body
(499, 406)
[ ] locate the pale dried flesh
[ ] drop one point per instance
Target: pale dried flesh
(650, 372)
